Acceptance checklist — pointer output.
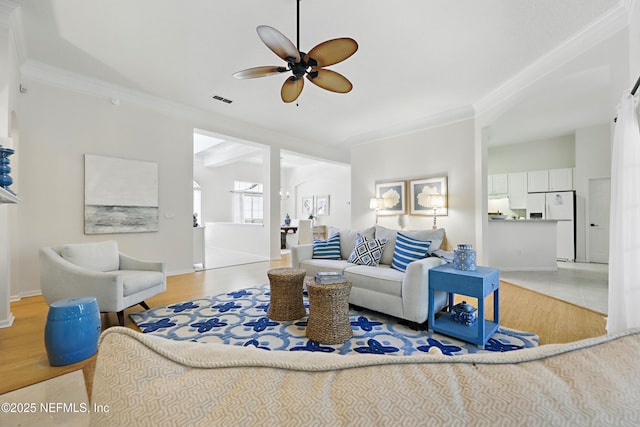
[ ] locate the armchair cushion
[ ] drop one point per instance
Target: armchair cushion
(99, 256)
(134, 281)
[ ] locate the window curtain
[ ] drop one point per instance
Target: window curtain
(624, 238)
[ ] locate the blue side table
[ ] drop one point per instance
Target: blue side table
(478, 284)
(72, 330)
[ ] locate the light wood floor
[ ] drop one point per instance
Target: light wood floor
(23, 357)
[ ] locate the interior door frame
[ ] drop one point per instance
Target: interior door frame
(588, 215)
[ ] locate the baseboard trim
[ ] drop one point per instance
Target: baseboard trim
(7, 322)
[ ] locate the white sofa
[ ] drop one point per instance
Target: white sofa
(381, 288)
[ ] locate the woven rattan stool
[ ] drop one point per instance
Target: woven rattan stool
(286, 294)
(328, 312)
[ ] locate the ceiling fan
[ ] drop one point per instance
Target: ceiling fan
(300, 64)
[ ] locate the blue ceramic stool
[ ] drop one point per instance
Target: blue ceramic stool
(72, 330)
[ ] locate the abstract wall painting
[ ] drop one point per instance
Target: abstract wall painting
(120, 195)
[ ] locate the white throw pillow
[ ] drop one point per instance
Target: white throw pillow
(100, 256)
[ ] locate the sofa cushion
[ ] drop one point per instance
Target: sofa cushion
(348, 239)
(367, 251)
(408, 249)
(313, 266)
(99, 256)
(327, 249)
(436, 237)
(377, 279)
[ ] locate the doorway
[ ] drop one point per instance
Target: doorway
(598, 220)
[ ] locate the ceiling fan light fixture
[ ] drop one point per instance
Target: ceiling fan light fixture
(301, 64)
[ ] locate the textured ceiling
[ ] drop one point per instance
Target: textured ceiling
(417, 58)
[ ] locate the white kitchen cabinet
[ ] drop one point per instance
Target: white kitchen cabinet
(518, 190)
(561, 179)
(538, 181)
(498, 184)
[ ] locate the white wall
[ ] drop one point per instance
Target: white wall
(593, 160)
(58, 128)
(9, 79)
(217, 184)
(445, 150)
(217, 207)
(319, 179)
(552, 153)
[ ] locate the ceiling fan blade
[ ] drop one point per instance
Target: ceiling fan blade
(329, 80)
(278, 43)
(251, 73)
(291, 89)
(333, 51)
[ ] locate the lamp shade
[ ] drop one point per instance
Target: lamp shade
(376, 203)
(435, 201)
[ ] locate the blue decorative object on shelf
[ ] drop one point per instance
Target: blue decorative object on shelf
(464, 314)
(464, 258)
(5, 179)
(72, 330)
(287, 220)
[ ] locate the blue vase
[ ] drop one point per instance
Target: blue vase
(464, 258)
(5, 179)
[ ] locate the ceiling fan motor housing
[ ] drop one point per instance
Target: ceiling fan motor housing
(299, 69)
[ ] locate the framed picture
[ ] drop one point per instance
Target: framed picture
(420, 191)
(395, 197)
(306, 207)
(322, 205)
(120, 195)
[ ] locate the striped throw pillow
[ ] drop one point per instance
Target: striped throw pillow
(408, 250)
(327, 249)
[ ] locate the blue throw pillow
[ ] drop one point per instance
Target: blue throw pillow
(367, 251)
(327, 249)
(408, 250)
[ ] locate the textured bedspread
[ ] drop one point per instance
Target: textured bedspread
(146, 380)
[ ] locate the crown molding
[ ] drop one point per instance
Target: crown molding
(119, 96)
(606, 26)
(47, 74)
(6, 7)
(17, 36)
(435, 120)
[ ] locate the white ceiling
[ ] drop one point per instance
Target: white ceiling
(416, 58)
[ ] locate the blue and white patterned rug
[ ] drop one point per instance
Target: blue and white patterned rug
(240, 318)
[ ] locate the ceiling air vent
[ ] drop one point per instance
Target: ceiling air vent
(219, 98)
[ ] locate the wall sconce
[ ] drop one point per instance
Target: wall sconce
(284, 196)
(435, 201)
(377, 204)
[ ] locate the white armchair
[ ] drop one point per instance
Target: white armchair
(98, 269)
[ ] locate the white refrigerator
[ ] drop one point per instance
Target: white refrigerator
(559, 206)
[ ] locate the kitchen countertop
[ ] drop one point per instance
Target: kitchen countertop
(523, 220)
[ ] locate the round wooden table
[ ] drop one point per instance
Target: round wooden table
(328, 321)
(285, 302)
